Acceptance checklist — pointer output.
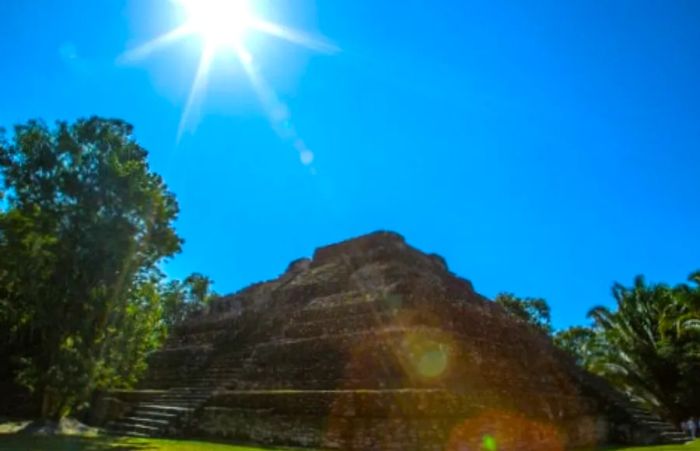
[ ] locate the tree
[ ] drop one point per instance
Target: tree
(649, 347)
(577, 341)
(83, 230)
(181, 299)
(534, 311)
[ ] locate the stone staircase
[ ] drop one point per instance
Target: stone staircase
(165, 413)
(161, 415)
(641, 419)
(652, 422)
(340, 353)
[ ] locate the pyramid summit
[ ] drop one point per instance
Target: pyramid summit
(372, 345)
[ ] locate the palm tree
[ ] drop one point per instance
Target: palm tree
(687, 320)
(649, 346)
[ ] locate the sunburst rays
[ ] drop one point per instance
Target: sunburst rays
(222, 26)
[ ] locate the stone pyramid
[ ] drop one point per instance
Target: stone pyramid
(373, 345)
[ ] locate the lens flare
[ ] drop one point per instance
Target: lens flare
(433, 362)
(425, 355)
(222, 26)
(489, 443)
(496, 430)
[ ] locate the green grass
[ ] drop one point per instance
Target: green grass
(34, 443)
(695, 446)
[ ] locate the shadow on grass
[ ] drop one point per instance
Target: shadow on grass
(63, 443)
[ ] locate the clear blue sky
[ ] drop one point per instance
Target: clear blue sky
(546, 148)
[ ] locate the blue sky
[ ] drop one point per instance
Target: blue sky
(545, 148)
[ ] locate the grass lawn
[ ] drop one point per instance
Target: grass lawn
(35, 443)
(695, 446)
(75, 443)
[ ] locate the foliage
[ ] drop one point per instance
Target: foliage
(84, 227)
(649, 347)
(181, 299)
(577, 341)
(534, 311)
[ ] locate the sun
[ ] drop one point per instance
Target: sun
(220, 23)
(222, 27)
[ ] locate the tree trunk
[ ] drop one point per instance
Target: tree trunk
(53, 405)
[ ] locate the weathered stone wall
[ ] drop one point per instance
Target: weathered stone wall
(387, 420)
(375, 345)
(174, 367)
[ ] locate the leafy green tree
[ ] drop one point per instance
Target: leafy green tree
(182, 298)
(534, 311)
(649, 347)
(84, 227)
(577, 341)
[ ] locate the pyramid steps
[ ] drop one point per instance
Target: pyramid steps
(326, 356)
